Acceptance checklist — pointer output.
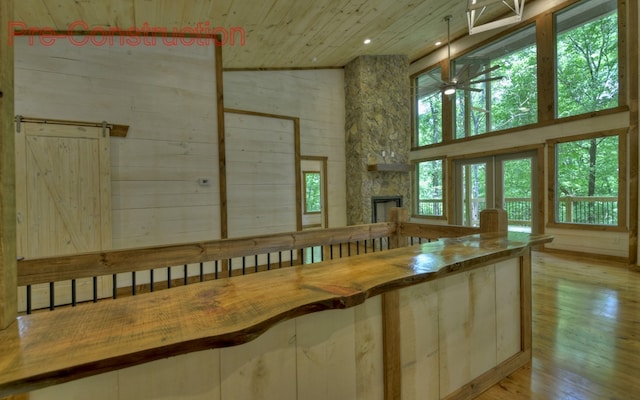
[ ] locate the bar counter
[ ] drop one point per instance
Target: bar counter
(50, 348)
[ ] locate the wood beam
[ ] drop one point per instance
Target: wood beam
(8, 270)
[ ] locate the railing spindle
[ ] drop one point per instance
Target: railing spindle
(244, 265)
(28, 299)
(268, 261)
(169, 277)
(186, 275)
(255, 262)
(133, 283)
(73, 293)
(114, 290)
(201, 271)
(215, 269)
(52, 296)
(151, 280)
(95, 288)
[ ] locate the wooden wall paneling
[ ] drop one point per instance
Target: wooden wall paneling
(316, 97)
(508, 309)
(325, 348)
(454, 312)
(195, 376)
(101, 387)
(483, 330)
(264, 368)
(369, 349)
(8, 271)
(263, 188)
(165, 97)
(419, 342)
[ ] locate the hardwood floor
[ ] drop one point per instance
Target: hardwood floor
(586, 333)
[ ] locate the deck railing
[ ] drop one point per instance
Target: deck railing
(601, 210)
(47, 283)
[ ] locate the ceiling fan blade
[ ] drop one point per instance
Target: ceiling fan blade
(485, 71)
(469, 89)
(495, 78)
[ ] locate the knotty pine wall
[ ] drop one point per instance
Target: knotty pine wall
(167, 95)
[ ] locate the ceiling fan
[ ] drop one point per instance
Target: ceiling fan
(467, 75)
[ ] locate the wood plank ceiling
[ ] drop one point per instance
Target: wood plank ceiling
(279, 33)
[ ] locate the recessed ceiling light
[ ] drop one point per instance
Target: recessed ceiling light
(367, 41)
(438, 43)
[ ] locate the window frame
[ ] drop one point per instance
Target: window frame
(621, 226)
(544, 23)
(305, 209)
(416, 189)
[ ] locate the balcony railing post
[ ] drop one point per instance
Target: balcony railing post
(397, 216)
(493, 220)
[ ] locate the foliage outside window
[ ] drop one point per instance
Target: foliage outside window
(312, 193)
(587, 181)
(430, 188)
(500, 104)
(587, 57)
(428, 108)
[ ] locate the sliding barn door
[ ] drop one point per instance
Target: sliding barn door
(63, 197)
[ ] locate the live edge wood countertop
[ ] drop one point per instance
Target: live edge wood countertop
(49, 348)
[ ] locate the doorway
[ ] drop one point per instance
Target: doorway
(501, 181)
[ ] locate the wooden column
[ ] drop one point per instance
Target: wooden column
(493, 220)
(397, 216)
(8, 271)
(392, 364)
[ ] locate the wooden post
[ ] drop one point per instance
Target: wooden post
(392, 364)
(493, 220)
(397, 216)
(8, 269)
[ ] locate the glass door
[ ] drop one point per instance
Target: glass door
(502, 181)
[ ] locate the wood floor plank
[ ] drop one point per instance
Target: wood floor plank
(586, 333)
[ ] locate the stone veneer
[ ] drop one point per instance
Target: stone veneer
(378, 131)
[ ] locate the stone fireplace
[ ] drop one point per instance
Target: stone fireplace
(378, 135)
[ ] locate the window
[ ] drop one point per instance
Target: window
(312, 193)
(430, 188)
(428, 124)
(499, 104)
(587, 57)
(587, 181)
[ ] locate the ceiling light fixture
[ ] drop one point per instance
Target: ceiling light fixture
(367, 41)
(477, 8)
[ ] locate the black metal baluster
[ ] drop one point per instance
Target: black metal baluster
(133, 283)
(340, 245)
(168, 277)
(330, 252)
(255, 262)
(244, 265)
(321, 253)
(201, 271)
(279, 259)
(230, 268)
(114, 290)
(28, 299)
(51, 296)
(357, 247)
(365, 246)
(215, 268)
(95, 289)
(312, 254)
(291, 258)
(268, 261)
(73, 293)
(151, 280)
(349, 249)
(186, 274)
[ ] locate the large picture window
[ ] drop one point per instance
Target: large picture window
(428, 108)
(587, 57)
(588, 180)
(430, 188)
(498, 104)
